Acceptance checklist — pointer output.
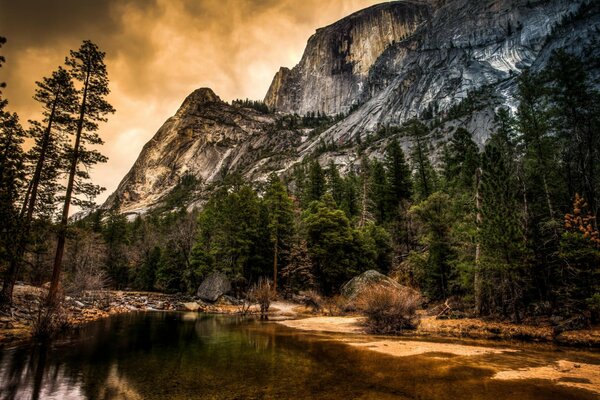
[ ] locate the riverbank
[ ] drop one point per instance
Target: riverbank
(467, 328)
(92, 306)
(576, 374)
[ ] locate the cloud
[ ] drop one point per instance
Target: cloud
(158, 51)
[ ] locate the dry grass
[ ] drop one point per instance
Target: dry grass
(263, 294)
(388, 310)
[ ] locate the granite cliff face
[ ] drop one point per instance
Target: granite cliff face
(206, 139)
(333, 72)
(378, 67)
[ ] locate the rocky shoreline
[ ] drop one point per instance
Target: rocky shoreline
(16, 326)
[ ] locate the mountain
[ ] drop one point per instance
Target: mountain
(376, 68)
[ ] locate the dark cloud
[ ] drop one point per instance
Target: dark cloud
(158, 51)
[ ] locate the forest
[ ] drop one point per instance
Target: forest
(508, 230)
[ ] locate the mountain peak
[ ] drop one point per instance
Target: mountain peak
(203, 95)
(197, 99)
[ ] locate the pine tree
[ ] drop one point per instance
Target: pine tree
(539, 145)
(576, 111)
(12, 178)
(349, 201)
(379, 191)
(398, 175)
(461, 162)
(88, 68)
(335, 184)
(316, 182)
(331, 243)
(281, 220)
(57, 96)
(366, 204)
(424, 178)
(504, 251)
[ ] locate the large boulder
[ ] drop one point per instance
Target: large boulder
(214, 286)
(356, 286)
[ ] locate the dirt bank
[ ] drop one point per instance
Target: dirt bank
(458, 328)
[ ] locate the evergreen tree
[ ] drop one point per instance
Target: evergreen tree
(379, 192)
(576, 111)
(116, 236)
(398, 176)
(335, 183)
(281, 219)
(424, 178)
(88, 68)
(435, 273)
(331, 244)
(12, 178)
(539, 145)
(349, 201)
(317, 185)
(461, 162)
(504, 251)
(57, 97)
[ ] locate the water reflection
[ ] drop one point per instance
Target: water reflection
(173, 356)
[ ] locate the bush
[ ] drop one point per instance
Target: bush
(49, 321)
(262, 293)
(389, 310)
(335, 305)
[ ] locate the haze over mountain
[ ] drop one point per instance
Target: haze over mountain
(376, 68)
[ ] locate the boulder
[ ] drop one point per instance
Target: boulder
(363, 282)
(214, 286)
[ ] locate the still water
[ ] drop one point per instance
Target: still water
(190, 356)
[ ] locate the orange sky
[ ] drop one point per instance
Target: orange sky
(158, 51)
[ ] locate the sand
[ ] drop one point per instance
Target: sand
(567, 373)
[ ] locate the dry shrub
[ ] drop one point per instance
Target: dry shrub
(262, 293)
(86, 279)
(389, 310)
(335, 305)
(49, 321)
(312, 298)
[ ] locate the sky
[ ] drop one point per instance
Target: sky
(157, 52)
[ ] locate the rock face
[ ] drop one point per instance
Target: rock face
(333, 72)
(446, 49)
(379, 67)
(362, 283)
(205, 140)
(214, 286)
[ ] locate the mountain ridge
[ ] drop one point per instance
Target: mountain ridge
(463, 47)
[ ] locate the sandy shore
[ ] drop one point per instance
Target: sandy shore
(562, 372)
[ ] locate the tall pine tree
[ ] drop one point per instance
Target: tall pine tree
(87, 67)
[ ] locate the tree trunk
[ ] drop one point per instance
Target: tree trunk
(62, 230)
(27, 210)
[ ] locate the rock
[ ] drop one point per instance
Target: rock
(363, 282)
(191, 306)
(214, 286)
